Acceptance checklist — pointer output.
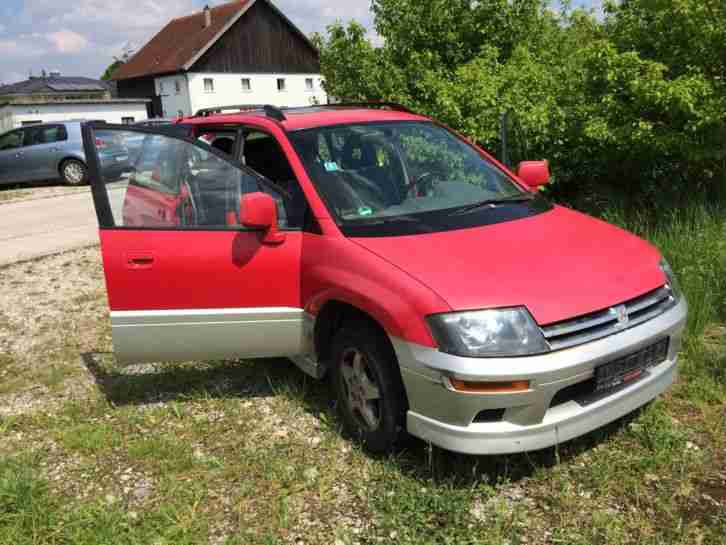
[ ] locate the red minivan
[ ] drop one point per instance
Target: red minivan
(442, 294)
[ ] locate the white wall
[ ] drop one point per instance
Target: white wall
(171, 101)
(6, 118)
(228, 90)
(14, 115)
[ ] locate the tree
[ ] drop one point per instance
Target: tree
(126, 53)
(623, 103)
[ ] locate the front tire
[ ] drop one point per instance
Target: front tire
(73, 172)
(368, 386)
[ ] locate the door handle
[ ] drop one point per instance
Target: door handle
(139, 261)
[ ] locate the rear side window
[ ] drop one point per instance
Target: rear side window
(11, 140)
(154, 165)
(45, 135)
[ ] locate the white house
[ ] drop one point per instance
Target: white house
(244, 52)
(55, 98)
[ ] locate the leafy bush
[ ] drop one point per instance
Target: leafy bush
(625, 105)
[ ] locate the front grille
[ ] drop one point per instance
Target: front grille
(592, 389)
(600, 324)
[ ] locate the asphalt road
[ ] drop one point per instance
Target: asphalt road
(45, 226)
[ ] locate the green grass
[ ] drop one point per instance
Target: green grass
(251, 452)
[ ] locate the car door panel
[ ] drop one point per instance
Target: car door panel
(11, 165)
(183, 295)
(40, 156)
(183, 292)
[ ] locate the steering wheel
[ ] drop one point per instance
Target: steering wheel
(415, 183)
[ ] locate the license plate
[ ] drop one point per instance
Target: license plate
(631, 367)
(122, 158)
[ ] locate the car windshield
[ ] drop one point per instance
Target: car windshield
(394, 171)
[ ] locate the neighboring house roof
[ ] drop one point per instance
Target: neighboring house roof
(77, 101)
(60, 85)
(180, 41)
(185, 39)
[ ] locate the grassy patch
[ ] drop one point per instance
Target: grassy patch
(250, 452)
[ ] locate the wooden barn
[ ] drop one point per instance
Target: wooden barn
(241, 52)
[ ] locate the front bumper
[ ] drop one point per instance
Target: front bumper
(529, 422)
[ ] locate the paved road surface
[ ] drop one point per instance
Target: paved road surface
(40, 227)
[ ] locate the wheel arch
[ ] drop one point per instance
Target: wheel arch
(333, 315)
(67, 158)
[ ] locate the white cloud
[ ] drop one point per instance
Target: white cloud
(67, 41)
(23, 46)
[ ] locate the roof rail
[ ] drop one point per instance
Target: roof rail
(384, 105)
(272, 112)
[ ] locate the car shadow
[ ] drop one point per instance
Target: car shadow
(31, 185)
(146, 384)
(143, 384)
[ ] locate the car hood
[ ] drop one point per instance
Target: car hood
(559, 264)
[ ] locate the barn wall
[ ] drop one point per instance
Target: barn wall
(228, 90)
(260, 42)
(141, 88)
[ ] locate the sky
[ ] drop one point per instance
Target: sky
(81, 37)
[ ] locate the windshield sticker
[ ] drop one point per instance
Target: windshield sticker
(331, 166)
(365, 211)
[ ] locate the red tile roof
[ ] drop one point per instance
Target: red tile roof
(178, 42)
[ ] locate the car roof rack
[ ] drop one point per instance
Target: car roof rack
(278, 114)
(383, 105)
(270, 111)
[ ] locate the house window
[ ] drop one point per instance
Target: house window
(177, 86)
(161, 87)
(309, 84)
(208, 85)
(246, 85)
(281, 84)
(127, 120)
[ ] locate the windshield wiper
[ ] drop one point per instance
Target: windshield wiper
(373, 220)
(490, 202)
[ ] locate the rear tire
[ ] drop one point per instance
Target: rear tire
(73, 172)
(367, 383)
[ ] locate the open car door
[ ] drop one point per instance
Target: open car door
(185, 279)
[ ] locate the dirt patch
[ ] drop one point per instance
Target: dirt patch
(53, 310)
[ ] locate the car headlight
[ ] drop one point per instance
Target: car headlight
(671, 278)
(488, 333)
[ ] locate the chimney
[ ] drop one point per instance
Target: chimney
(207, 17)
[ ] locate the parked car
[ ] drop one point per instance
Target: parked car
(440, 292)
(54, 151)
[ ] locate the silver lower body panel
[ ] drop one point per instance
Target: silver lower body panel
(184, 335)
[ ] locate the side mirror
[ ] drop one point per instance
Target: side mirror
(259, 211)
(534, 173)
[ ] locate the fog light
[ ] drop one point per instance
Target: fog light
(489, 387)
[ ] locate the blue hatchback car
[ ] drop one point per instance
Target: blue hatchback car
(54, 151)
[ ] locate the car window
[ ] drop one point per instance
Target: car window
(376, 172)
(224, 141)
(263, 154)
(45, 135)
(11, 140)
(174, 183)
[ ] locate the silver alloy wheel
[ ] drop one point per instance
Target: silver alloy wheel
(362, 392)
(73, 172)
